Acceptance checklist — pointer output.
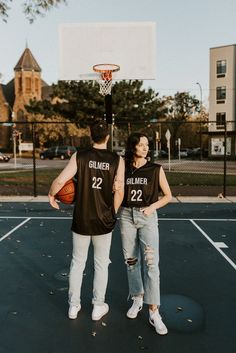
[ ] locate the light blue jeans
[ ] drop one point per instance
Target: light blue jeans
(140, 242)
(101, 246)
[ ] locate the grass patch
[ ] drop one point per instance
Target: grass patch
(199, 179)
(24, 178)
(20, 182)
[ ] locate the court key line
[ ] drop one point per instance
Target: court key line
(213, 243)
(14, 229)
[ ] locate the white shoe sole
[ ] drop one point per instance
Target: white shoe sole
(133, 316)
(73, 317)
(96, 318)
(162, 333)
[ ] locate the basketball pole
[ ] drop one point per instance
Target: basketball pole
(109, 120)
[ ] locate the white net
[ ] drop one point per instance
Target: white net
(105, 86)
(105, 76)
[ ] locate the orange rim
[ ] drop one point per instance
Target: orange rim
(102, 68)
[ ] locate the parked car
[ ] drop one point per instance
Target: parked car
(4, 157)
(197, 152)
(62, 152)
(120, 152)
(184, 152)
(161, 154)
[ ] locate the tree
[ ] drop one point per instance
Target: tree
(56, 130)
(80, 102)
(31, 8)
(180, 108)
(77, 101)
(132, 103)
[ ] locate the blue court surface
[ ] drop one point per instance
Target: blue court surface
(198, 284)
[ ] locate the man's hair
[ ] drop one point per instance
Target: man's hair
(99, 131)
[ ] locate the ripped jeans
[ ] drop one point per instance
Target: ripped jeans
(140, 242)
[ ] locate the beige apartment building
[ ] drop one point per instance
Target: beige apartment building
(222, 101)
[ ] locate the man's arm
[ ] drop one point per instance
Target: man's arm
(68, 172)
(119, 179)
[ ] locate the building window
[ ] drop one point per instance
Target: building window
(220, 94)
(28, 84)
(221, 68)
(19, 84)
(220, 120)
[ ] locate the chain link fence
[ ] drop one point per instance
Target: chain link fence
(199, 158)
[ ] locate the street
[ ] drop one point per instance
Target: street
(184, 165)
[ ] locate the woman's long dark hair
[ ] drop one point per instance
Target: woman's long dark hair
(130, 149)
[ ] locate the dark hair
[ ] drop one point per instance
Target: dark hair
(99, 131)
(131, 144)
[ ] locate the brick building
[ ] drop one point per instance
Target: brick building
(27, 84)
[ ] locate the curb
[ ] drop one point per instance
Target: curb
(180, 199)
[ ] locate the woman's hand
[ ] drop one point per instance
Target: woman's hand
(147, 211)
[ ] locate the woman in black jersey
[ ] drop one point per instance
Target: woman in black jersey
(139, 228)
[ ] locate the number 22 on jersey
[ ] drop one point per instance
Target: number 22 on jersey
(96, 183)
(136, 195)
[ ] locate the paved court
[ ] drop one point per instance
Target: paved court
(198, 284)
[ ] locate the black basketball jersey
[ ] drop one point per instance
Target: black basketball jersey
(142, 185)
(94, 210)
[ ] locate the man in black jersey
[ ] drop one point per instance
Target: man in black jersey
(96, 204)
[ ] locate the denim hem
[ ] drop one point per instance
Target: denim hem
(97, 302)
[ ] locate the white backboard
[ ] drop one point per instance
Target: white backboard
(131, 45)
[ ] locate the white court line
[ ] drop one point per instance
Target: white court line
(160, 219)
(22, 217)
(197, 219)
(13, 230)
(221, 244)
(213, 243)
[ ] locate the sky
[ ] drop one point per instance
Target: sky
(186, 30)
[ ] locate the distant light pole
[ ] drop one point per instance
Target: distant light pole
(200, 132)
(14, 132)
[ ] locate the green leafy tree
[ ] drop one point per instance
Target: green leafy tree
(181, 107)
(80, 102)
(77, 101)
(30, 8)
(134, 104)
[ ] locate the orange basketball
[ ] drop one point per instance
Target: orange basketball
(67, 192)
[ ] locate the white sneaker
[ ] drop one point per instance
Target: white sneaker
(73, 311)
(99, 311)
(155, 320)
(135, 308)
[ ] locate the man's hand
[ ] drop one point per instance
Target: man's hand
(53, 202)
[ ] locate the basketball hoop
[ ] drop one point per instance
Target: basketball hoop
(105, 77)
